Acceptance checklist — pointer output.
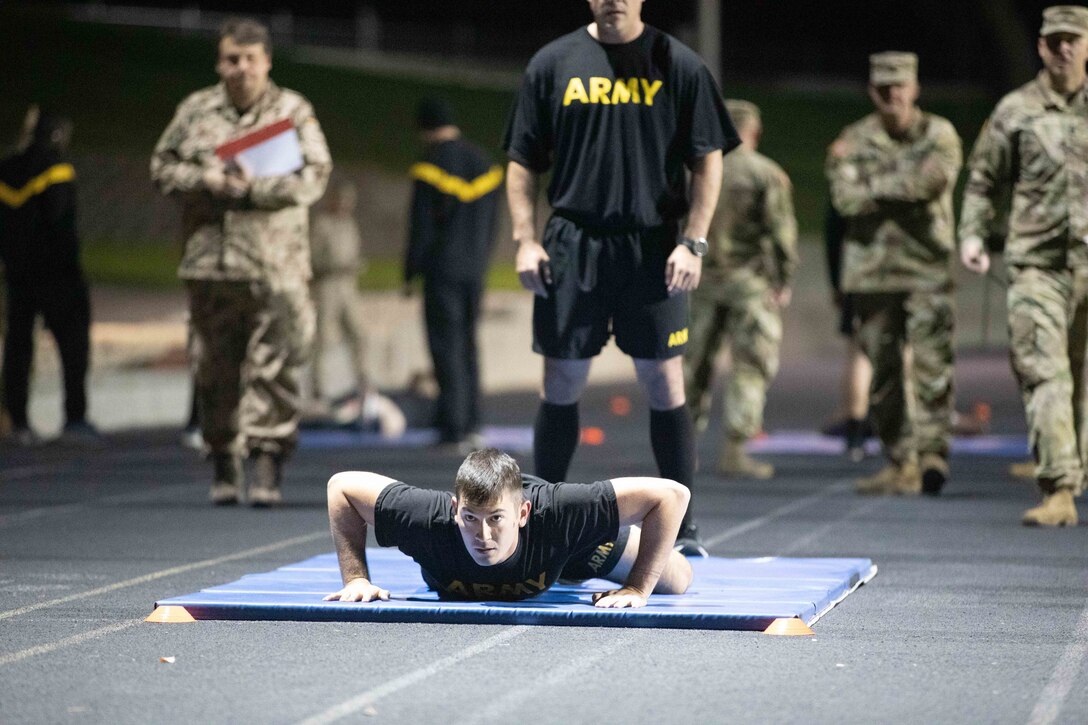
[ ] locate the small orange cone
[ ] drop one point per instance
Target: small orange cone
(592, 436)
(789, 627)
(620, 405)
(170, 615)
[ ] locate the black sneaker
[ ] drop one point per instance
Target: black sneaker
(855, 435)
(689, 544)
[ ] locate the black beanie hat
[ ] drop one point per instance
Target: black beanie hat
(433, 113)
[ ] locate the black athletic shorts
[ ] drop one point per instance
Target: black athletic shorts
(600, 562)
(605, 284)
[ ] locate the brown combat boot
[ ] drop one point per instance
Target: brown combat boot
(892, 480)
(227, 488)
(734, 462)
(934, 469)
(268, 473)
(1057, 509)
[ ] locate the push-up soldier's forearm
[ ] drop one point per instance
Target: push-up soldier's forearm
(352, 496)
(657, 506)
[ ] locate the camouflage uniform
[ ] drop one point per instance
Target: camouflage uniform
(753, 251)
(896, 197)
(336, 251)
(1035, 146)
(247, 267)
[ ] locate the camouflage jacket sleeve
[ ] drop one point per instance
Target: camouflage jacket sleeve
(923, 177)
(782, 223)
(850, 191)
(988, 180)
(306, 185)
(169, 172)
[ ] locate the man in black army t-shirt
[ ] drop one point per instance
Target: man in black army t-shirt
(507, 536)
(616, 110)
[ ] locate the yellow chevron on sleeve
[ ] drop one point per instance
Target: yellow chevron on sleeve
(463, 189)
(56, 174)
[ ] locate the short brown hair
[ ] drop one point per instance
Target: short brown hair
(247, 31)
(485, 476)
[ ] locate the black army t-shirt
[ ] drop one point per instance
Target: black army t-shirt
(566, 522)
(617, 123)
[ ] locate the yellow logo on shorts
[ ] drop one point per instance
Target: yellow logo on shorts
(678, 338)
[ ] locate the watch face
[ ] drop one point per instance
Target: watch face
(700, 247)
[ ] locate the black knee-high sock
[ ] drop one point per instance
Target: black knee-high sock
(672, 437)
(555, 436)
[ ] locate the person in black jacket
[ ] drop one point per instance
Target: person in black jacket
(449, 246)
(40, 251)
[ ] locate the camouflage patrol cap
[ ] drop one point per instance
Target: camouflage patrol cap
(1065, 19)
(741, 111)
(892, 66)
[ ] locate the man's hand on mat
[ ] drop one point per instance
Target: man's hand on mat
(619, 599)
(359, 590)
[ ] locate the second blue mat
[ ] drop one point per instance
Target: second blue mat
(740, 594)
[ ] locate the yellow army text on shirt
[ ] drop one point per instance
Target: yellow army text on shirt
(263, 236)
(896, 198)
(754, 231)
(1035, 145)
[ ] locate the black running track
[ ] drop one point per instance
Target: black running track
(972, 618)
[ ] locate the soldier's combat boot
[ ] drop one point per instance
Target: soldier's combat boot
(892, 480)
(734, 462)
(267, 475)
(934, 473)
(1057, 509)
(227, 488)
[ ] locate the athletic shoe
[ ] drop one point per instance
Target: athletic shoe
(192, 438)
(689, 544)
(855, 431)
(24, 437)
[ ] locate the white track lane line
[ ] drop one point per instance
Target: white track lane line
(499, 710)
(360, 702)
(780, 511)
(75, 639)
(257, 551)
(854, 512)
(1049, 705)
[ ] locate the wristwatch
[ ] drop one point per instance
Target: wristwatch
(696, 246)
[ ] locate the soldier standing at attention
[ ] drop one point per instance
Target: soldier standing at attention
(616, 111)
(246, 263)
(891, 176)
(745, 286)
(1035, 144)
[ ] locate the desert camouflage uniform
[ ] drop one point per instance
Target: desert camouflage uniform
(336, 251)
(753, 251)
(1035, 146)
(896, 197)
(247, 267)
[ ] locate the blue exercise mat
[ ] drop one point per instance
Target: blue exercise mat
(742, 594)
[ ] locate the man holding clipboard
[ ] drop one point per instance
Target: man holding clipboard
(245, 159)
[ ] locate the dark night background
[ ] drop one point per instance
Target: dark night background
(978, 42)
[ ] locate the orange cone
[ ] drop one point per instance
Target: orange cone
(620, 405)
(170, 615)
(789, 627)
(592, 436)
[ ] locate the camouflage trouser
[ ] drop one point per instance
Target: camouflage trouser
(1048, 327)
(251, 344)
(745, 314)
(339, 316)
(912, 416)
